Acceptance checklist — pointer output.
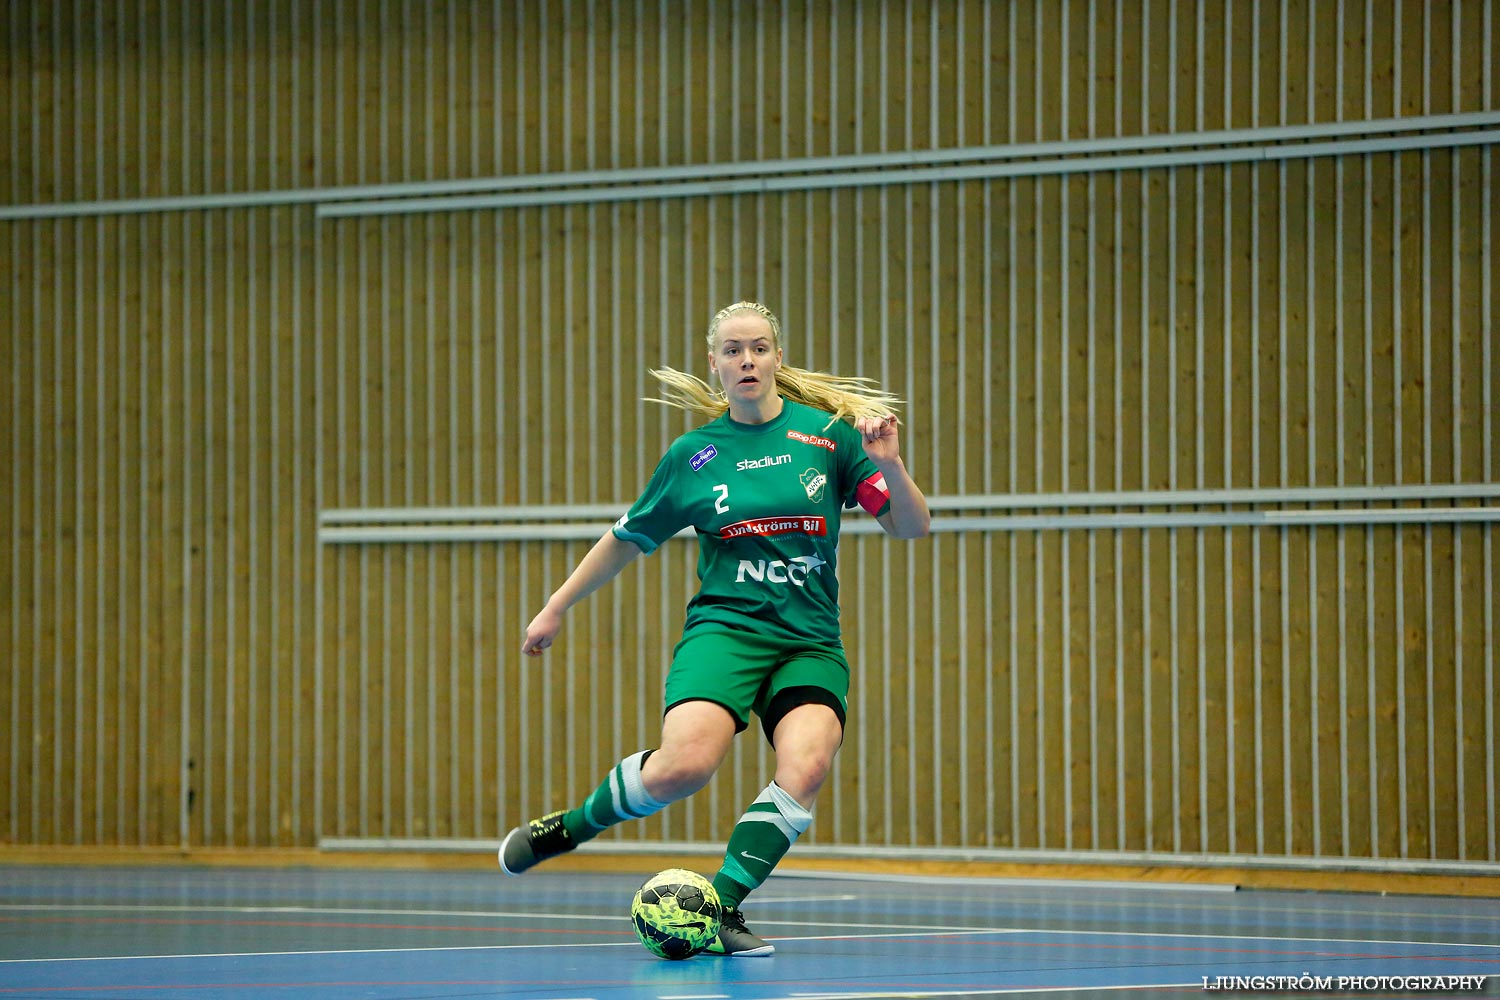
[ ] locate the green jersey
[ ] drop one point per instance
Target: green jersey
(766, 501)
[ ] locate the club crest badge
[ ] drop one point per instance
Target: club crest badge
(813, 481)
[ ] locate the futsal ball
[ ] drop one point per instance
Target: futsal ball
(676, 913)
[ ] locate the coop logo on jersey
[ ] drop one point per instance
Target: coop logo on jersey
(813, 481)
(703, 457)
(793, 571)
(810, 439)
(795, 525)
(763, 463)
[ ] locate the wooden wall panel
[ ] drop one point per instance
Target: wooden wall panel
(183, 663)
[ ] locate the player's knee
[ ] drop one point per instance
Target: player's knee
(675, 773)
(802, 775)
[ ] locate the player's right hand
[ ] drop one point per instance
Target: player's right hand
(541, 633)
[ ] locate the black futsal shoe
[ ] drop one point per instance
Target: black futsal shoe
(736, 940)
(530, 845)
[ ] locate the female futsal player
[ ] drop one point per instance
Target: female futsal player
(764, 483)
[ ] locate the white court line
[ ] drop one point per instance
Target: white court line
(330, 951)
(1139, 934)
(1044, 884)
(1129, 904)
(477, 914)
(531, 915)
(1260, 937)
(475, 947)
(292, 910)
(352, 911)
(1010, 882)
(927, 932)
(987, 993)
(903, 930)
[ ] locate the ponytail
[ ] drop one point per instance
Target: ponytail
(846, 398)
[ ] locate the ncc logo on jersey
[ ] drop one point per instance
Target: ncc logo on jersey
(793, 571)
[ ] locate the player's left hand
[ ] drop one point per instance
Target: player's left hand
(878, 434)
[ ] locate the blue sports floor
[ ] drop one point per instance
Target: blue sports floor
(193, 934)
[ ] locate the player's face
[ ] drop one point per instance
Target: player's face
(745, 358)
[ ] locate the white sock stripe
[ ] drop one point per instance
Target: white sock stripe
(638, 802)
(797, 818)
(614, 793)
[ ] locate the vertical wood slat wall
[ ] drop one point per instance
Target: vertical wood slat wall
(181, 663)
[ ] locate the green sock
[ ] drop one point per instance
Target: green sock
(620, 796)
(760, 839)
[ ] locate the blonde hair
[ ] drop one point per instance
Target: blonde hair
(847, 398)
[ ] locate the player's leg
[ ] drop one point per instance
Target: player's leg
(695, 737)
(806, 739)
(711, 686)
(803, 712)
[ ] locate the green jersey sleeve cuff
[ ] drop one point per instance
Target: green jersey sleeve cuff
(647, 545)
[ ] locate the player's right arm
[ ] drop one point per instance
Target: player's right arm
(654, 517)
(603, 563)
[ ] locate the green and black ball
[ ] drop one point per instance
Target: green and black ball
(676, 914)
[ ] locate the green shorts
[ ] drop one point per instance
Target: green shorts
(746, 673)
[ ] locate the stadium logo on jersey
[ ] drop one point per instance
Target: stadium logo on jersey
(763, 463)
(703, 457)
(813, 481)
(810, 439)
(776, 526)
(794, 571)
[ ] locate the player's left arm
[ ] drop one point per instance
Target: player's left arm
(907, 516)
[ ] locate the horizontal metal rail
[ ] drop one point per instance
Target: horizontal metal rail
(519, 512)
(592, 179)
(984, 501)
(998, 854)
(1215, 497)
(923, 175)
(587, 531)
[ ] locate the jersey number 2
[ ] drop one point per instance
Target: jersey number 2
(722, 503)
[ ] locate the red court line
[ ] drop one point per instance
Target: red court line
(325, 984)
(344, 925)
(1012, 943)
